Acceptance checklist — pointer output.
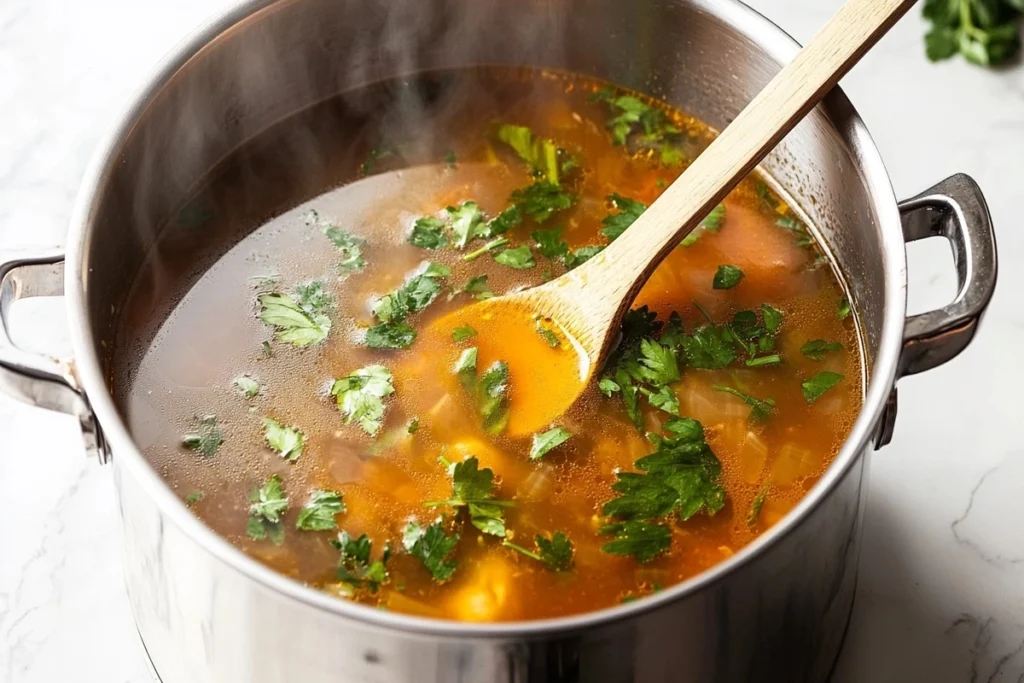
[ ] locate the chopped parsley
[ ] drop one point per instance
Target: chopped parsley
(193, 498)
(711, 223)
(648, 127)
(755, 507)
(205, 438)
(467, 221)
(985, 32)
(415, 294)
(680, 476)
(505, 221)
(428, 233)
(496, 243)
(267, 505)
(555, 553)
(360, 396)
(477, 286)
(355, 568)
(843, 310)
(287, 441)
(247, 386)
(541, 155)
(492, 397)
(463, 333)
(815, 349)
(628, 211)
(550, 243)
(375, 155)
(319, 513)
(549, 336)
(547, 441)
(541, 200)
(349, 246)
(392, 335)
(801, 236)
(465, 366)
(473, 489)
(432, 547)
(300, 320)
(519, 258)
(413, 426)
(727, 277)
(816, 386)
(579, 256)
(760, 409)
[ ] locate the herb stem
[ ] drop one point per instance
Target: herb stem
(521, 549)
(490, 246)
(764, 360)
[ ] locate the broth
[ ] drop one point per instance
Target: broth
(405, 150)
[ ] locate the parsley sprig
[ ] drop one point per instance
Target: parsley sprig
(360, 396)
(356, 569)
(473, 489)
(432, 547)
(319, 514)
(985, 32)
(267, 505)
(205, 438)
(555, 553)
(393, 309)
(299, 319)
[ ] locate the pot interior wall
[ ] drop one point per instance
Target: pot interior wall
(292, 54)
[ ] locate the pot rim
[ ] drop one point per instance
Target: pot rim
(738, 16)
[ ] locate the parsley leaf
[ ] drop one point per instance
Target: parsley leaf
(549, 336)
(428, 233)
(413, 426)
(983, 31)
(505, 221)
(760, 409)
(392, 309)
(267, 504)
(349, 246)
(727, 277)
(467, 223)
(465, 366)
(629, 211)
(843, 310)
(391, 335)
(802, 237)
(519, 258)
(663, 399)
(247, 386)
(431, 545)
(355, 568)
(492, 397)
(463, 333)
(550, 244)
(814, 387)
(547, 441)
(360, 396)
(642, 539)
(319, 513)
(542, 199)
(816, 349)
(294, 323)
(709, 347)
(472, 488)
(477, 286)
(653, 129)
(287, 441)
(555, 552)
(193, 498)
(206, 438)
(581, 255)
(608, 386)
(711, 223)
(540, 154)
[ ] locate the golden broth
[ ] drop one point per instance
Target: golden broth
(185, 367)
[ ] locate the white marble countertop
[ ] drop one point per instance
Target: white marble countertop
(941, 592)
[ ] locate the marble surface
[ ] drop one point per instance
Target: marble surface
(941, 593)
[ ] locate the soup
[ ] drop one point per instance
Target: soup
(315, 397)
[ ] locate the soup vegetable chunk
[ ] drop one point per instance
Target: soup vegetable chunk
(321, 396)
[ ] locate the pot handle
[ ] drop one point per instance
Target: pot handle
(37, 379)
(955, 209)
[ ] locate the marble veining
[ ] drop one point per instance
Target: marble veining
(941, 587)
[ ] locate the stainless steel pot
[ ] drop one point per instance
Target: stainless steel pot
(776, 611)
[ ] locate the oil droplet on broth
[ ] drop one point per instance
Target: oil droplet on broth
(547, 367)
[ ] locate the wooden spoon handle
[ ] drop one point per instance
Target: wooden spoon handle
(617, 273)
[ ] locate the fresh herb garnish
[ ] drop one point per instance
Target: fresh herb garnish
(550, 244)
(287, 441)
(505, 221)
(709, 347)
(463, 333)
(355, 568)
(814, 387)
(360, 396)
(555, 552)
(467, 221)
(801, 236)
(549, 336)
(760, 409)
(301, 322)
(755, 507)
(428, 233)
(266, 506)
(651, 126)
(465, 366)
(843, 310)
(727, 277)
(413, 426)
(628, 211)
(757, 338)
(432, 546)
(392, 309)
(392, 335)
(205, 438)
(608, 386)
(541, 200)
(375, 155)
(816, 349)
(319, 513)
(349, 246)
(540, 154)
(247, 386)
(492, 397)
(711, 223)
(547, 441)
(519, 258)
(194, 497)
(496, 243)
(985, 32)
(450, 158)
(473, 489)
(477, 286)
(581, 255)
(680, 476)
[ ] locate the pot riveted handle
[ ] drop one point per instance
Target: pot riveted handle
(37, 379)
(955, 209)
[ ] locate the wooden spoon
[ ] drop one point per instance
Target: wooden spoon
(588, 303)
